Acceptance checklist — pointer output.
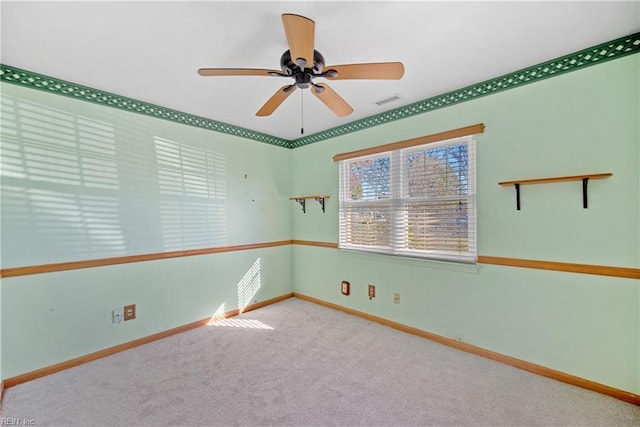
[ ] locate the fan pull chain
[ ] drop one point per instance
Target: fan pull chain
(301, 114)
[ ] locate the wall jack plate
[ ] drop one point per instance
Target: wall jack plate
(345, 287)
(129, 312)
(372, 291)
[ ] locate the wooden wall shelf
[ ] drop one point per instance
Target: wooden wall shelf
(303, 201)
(584, 178)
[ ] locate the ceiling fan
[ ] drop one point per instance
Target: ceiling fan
(305, 64)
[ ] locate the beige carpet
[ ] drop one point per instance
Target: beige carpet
(297, 363)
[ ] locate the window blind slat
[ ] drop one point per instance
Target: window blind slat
(418, 201)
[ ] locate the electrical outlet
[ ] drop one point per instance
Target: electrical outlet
(345, 287)
(129, 312)
(117, 315)
(372, 291)
(396, 298)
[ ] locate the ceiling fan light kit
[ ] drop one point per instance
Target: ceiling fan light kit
(304, 64)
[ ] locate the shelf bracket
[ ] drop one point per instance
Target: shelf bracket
(303, 203)
(517, 185)
(321, 201)
(585, 181)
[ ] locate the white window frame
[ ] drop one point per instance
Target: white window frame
(398, 200)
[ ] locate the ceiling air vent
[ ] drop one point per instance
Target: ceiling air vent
(388, 99)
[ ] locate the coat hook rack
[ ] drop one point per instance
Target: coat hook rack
(583, 178)
(302, 200)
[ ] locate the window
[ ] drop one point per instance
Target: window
(418, 201)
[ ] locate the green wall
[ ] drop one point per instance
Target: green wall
(1, 373)
(84, 181)
(585, 325)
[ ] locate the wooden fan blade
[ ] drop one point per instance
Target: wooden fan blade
(300, 36)
(275, 101)
(331, 99)
(372, 70)
(238, 72)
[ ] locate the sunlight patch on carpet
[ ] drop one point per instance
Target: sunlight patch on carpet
(218, 315)
(241, 323)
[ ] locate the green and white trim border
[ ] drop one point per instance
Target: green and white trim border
(50, 84)
(594, 55)
(575, 61)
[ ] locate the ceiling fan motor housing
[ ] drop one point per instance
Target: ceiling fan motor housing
(302, 76)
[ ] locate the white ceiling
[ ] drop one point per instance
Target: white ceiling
(151, 50)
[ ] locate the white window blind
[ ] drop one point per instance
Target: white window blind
(418, 201)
